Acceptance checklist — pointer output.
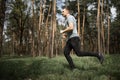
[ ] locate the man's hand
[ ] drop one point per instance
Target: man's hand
(64, 36)
(61, 31)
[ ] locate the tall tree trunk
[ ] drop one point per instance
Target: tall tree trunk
(33, 42)
(102, 28)
(47, 31)
(2, 18)
(39, 30)
(98, 26)
(21, 38)
(108, 26)
(82, 41)
(108, 39)
(53, 27)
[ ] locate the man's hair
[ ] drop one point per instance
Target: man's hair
(67, 8)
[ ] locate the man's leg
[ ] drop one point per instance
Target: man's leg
(75, 42)
(67, 50)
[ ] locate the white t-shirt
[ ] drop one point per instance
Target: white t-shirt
(73, 33)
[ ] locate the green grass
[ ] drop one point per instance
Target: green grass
(43, 68)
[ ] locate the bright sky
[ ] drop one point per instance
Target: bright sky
(113, 11)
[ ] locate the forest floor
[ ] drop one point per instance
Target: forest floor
(57, 68)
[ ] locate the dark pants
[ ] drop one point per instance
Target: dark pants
(74, 43)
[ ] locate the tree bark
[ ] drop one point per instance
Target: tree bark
(2, 19)
(33, 42)
(102, 28)
(53, 27)
(98, 26)
(82, 41)
(79, 31)
(108, 29)
(108, 39)
(47, 31)
(39, 31)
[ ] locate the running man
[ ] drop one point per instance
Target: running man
(73, 40)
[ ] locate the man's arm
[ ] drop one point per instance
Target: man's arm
(69, 28)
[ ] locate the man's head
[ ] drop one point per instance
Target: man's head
(65, 11)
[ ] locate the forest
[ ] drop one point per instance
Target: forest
(30, 34)
(32, 27)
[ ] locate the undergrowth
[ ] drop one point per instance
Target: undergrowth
(57, 68)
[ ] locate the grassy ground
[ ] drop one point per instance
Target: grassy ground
(43, 68)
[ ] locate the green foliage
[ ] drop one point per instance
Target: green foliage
(43, 68)
(22, 26)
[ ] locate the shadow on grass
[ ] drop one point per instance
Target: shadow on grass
(12, 70)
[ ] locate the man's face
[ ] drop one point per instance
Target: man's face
(65, 12)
